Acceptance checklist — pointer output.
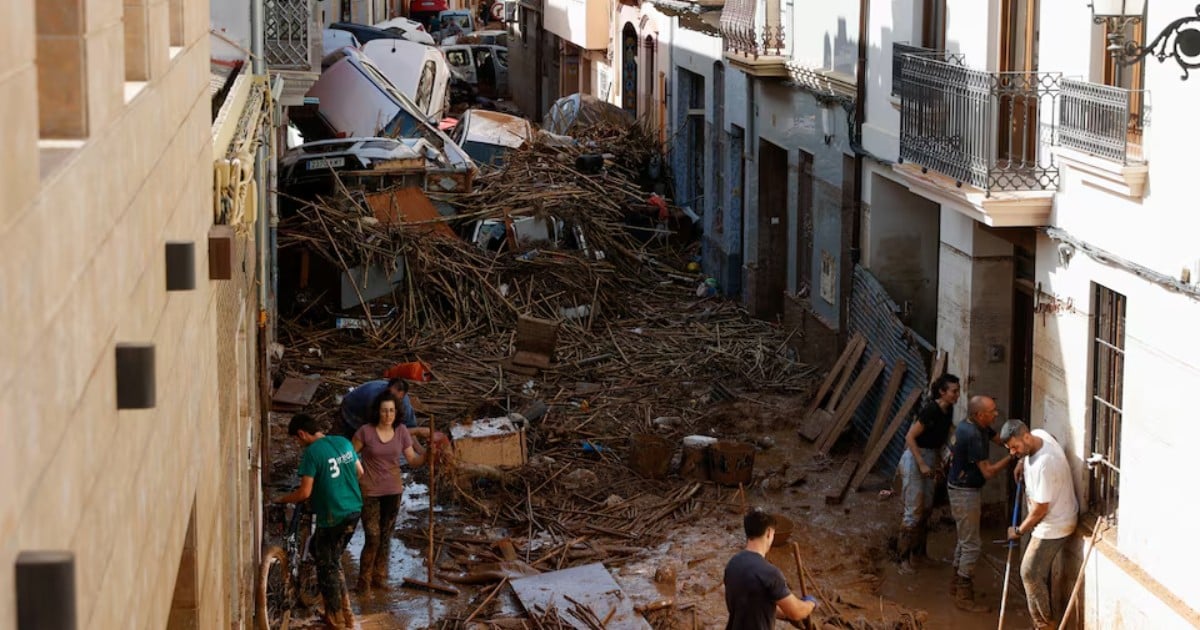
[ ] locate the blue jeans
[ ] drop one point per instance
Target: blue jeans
(917, 489)
(965, 506)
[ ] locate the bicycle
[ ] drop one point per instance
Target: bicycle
(288, 573)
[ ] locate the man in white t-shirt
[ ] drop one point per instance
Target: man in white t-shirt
(1051, 514)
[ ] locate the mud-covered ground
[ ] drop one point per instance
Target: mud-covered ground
(844, 547)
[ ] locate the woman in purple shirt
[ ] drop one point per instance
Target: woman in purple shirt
(380, 443)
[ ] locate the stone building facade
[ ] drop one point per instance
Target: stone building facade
(108, 156)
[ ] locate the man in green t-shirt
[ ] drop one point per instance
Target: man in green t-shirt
(329, 471)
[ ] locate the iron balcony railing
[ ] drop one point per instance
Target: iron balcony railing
(901, 50)
(1101, 120)
(753, 28)
(991, 130)
(292, 35)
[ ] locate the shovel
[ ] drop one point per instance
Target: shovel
(1012, 544)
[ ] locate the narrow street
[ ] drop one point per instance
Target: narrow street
(648, 364)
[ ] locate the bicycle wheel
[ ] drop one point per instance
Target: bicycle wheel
(309, 590)
(272, 600)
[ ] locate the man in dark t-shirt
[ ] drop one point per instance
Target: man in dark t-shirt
(755, 591)
(969, 470)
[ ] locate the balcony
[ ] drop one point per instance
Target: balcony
(292, 45)
(584, 23)
(1100, 135)
(753, 35)
(979, 141)
(902, 50)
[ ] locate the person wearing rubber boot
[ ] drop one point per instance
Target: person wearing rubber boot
(329, 472)
(969, 470)
(923, 447)
(1052, 511)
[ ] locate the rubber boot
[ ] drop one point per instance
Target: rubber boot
(381, 579)
(904, 545)
(347, 614)
(920, 553)
(363, 586)
(331, 615)
(964, 596)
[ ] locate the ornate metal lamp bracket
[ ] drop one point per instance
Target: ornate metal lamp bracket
(1180, 40)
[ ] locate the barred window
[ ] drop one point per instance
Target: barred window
(1108, 377)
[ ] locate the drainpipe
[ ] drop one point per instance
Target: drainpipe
(262, 248)
(855, 209)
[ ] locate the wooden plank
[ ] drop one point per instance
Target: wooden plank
(884, 438)
(938, 366)
(827, 384)
(836, 396)
(837, 491)
(885, 403)
(862, 385)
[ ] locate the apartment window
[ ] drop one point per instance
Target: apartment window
(1108, 378)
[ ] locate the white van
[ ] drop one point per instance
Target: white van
(419, 71)
(483, 65)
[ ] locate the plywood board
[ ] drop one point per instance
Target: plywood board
(590, 585)
(409, 205)
(296, 392)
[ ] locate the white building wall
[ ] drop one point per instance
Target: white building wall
(1143, 575)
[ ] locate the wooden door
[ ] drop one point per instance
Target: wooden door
(773, 230)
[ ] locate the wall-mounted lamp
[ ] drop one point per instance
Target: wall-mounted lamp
(1180, 40)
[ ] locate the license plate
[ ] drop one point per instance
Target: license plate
(325, 163)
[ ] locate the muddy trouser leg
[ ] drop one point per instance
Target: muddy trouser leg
(1035, 575)
(328, 544)
(912, 490)
(965, 506)
(389, 509)
(370, 523)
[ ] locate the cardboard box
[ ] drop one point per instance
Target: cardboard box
(490, 442)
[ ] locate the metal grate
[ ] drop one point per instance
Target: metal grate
(289, 30)
(991, 130)
(1100, 120)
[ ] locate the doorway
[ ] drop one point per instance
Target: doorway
(773, 229)
(1020, 380)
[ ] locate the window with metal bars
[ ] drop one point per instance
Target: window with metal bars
(1108, 377)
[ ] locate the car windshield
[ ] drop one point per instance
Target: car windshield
(485, 154)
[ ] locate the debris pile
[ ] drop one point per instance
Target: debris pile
(637, 353)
